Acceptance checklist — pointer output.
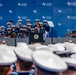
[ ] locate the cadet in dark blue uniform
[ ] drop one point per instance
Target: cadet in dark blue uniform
(37, 20)
(22, 33)
(20, 22)
(28, 21)
(14, 32)
(45, 63)
(32, 30)
(7, 58)
(24, 60)
(8, 24)
(29, 26)
(8, 33)
(18, 28)
(25, 30)
(47, 28)
(3, 33)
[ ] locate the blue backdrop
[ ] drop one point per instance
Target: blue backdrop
(61, 12)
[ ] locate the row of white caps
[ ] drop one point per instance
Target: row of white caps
(41, 55)
(44, 57)
(28, 20)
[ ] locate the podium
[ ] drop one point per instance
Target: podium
(36, 38)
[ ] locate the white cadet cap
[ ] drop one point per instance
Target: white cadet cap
(44, 21)
(29, 24)
(32, 29)
(37, 44)
(13, 26)
(70, 61)
(63, 52)
(24, 26)
(32, 47)
(72, 48)
(20, 20)
(50, 45)
(41, 47)
(8, 23)
(28, 20)
(73, 56)
(7, 58)
(24, 53)
(58, 47)
(8, 28)
(2, 27)
(61, 44)
(68, 45)
(7, 49)
(44, 47)
(49, 61)
(53, 48)
(22, 44)
(37, 20)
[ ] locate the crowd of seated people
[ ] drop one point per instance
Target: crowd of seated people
(21, 31)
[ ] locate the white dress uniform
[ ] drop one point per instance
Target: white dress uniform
(24, 62)
(6, 60)
(48, 63)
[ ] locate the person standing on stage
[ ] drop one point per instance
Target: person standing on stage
(47, 28)
(39, 28)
